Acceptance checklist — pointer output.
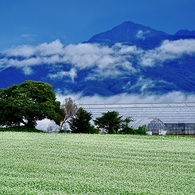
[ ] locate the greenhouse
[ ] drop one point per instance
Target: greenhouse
(153, 125)
(179, 118)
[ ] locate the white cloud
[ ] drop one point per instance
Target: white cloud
(44, 49)
(141, 34)
(27, 70)
(143, 84)
(49, 49)
(25, 51)
(86, 55)
(169, 50)
(61, 74)
(104, 61)
(178, 47)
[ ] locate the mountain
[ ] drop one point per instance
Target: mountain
(136, 34)
(132, 34)
(130, 58)
(186, 33)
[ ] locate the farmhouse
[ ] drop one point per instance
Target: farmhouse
(179, 118)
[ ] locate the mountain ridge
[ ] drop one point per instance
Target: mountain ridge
(136, 34)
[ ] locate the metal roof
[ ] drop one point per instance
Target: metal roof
(166, 112)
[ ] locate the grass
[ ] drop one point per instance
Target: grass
(38, 163)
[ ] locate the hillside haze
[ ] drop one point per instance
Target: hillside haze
(130, 58)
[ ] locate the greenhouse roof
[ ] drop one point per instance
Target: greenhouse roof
(151, 123)
(168, 113)
(141, 121)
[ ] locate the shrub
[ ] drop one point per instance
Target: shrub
(93, 130)
(141, 130)
(128, 130)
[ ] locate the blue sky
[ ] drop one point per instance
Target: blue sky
(73, 21)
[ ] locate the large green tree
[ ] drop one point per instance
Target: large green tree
(110, 122)
(26, 103)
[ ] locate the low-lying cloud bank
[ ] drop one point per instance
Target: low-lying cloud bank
(104, 60)
(173, 97)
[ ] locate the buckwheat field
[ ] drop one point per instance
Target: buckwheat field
(39, 163)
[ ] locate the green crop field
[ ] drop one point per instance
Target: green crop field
(39, 163)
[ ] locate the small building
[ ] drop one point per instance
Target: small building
(153, 125)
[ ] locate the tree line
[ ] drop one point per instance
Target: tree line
(25, 103)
